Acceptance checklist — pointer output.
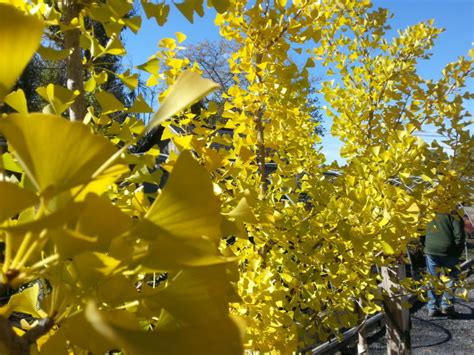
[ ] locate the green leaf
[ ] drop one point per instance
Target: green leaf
(49, 171)
(188, 88)
(14, 199)
(8, 163)
(20, 36)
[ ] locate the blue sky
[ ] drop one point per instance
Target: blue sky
(455, 16)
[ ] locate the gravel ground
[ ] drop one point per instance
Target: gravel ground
(434, 335)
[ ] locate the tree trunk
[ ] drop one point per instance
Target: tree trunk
(397, 318)
(261, 153)
(75, 73)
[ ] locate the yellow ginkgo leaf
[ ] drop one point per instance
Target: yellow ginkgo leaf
(92, 267)
(101, 219)
(78, 331)
(130, 80)
(114, 46)
(242, 212)
(20, 36)
(17, 101)
(69, 243)
(152, 66)
(14, 199)
(158, 11)
(195, 296)
(140, 105)
(188, 88)
(53, 220)
(166, 252)
(189, 7)
(26, 302)
(223, 336)
(49, 53)
(181, 37)
(58, 97)
(101, 183)
(220, 5)
(109, 102)
(187, 207)
(387, 248)
(68, 160)
(117, 289)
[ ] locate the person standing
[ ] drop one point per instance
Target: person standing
(445, 238)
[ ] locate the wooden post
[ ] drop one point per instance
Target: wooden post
(397, 318)
(362, 346)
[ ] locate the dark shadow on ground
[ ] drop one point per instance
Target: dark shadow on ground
(467, 314)
(447, 333)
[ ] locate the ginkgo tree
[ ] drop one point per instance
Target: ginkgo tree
(59, 225)
(309, 245)
(247, 224)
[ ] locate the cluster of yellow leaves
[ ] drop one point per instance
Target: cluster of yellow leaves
(306, 244)
(59, 224)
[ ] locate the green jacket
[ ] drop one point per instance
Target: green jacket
(445, 236)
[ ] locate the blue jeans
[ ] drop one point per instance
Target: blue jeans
(432, 263)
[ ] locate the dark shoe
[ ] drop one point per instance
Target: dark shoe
(434, 313)
(449, 312)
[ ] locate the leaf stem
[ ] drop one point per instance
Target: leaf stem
(22, 250)
(8, 253)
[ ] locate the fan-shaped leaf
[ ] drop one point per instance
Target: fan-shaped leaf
(20, 36)
(188, 88)
(222, 337)
(14, 199)
(187, 207)
(70, 157)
